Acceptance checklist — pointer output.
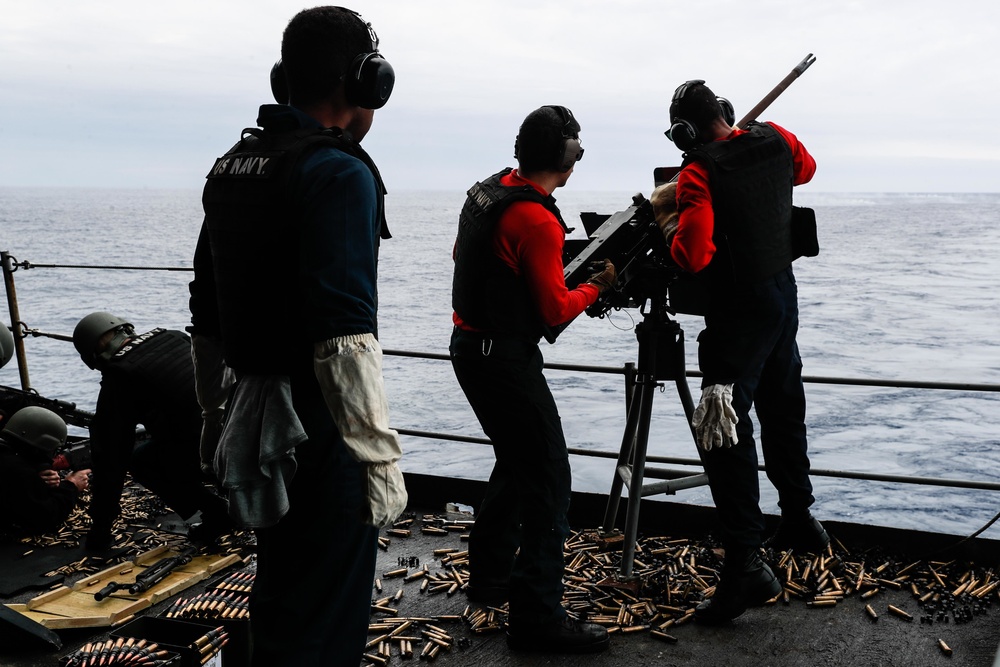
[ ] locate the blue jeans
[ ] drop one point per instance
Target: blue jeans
(529, 490)
(749, 340)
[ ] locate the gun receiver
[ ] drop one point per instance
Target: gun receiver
(73, 456)
(633, 242)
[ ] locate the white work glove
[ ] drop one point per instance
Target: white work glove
(385, 494)
(714, 419)
(349, 371)
(212, 381)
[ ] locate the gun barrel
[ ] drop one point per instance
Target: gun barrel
(14, 399)
(777, 90)
(804, 65)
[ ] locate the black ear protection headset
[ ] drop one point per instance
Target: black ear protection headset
(683, 132)
(367, 82)
(568, 150)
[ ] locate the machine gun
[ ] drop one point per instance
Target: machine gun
(148, 578)
(74, 455)
(634, 243)
(12, 400)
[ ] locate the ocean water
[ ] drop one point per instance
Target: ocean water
(905, 288)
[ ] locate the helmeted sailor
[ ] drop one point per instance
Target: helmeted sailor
(34, 498)
(146, 379)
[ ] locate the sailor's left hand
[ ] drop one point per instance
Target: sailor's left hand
(606, 275)
(714, 419)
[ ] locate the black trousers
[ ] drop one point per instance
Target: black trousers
(749, 340)
(167, 465)
(311, 598)
(529, 490)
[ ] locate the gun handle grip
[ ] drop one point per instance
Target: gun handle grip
(106, 591)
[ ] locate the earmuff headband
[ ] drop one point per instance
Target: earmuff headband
(368, 81)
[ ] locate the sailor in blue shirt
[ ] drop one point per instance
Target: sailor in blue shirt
(285, 285)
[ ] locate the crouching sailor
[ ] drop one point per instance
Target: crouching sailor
(146, 379)
(34, 498)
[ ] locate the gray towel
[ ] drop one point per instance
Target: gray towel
(255, 460)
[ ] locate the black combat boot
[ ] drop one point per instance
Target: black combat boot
(746, 581)
(491, 596)
(215, 522)
(800, 532)
(565, 636)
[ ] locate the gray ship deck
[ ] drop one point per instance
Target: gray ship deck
(792, 634)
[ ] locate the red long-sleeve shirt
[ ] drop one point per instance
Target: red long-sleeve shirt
(692, 247)
(529, 239)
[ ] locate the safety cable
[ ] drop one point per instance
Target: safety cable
(29, 265)
(967, 538)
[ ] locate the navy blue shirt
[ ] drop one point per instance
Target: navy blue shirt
(336, 199)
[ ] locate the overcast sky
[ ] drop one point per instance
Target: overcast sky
(116, 93)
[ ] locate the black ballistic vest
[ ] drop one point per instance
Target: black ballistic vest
(156, 366)
(254, 231)
(751, 178)
(486, 293)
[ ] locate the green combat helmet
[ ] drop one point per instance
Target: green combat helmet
(89, 331)
(37, 428)
(6, 344)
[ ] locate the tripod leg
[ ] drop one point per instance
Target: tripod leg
(688, 402)
(683, 390)
(648, 387)
(624, 456)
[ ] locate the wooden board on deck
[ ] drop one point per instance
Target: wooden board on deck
(75, 607)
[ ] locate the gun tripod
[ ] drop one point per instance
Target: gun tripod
(661, 357)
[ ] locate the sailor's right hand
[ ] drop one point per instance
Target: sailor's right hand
(605, 278)
(80, 479)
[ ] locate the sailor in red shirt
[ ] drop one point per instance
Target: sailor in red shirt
(734, 197)
(529, 240)
(508, 292)
(693, 248)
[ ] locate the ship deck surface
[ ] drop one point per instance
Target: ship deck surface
(777, 635)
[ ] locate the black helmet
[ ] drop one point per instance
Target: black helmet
(6, 344)
(38, 428)
(88, 332)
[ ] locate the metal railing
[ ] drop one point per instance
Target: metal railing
(627, 371)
